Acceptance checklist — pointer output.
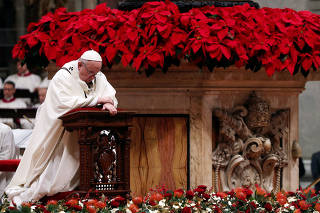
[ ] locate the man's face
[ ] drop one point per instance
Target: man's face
(8, 91)
(88, 70)
(21, 68)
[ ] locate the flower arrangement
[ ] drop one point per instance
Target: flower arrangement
(199, 199)
(158, 35)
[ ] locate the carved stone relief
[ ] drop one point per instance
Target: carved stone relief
(250, 146)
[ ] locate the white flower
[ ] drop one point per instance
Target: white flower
(175, 206)
(292, 199)
(208, 210)
(33, 207)
(216, 198)
(162, 203)
(315, 212)
(128, 211)
(286, 205)
(292, 208)
(229, 203)
(62, 212)
(115, 210)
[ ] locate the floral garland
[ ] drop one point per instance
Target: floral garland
(158, 35)
(241, 200)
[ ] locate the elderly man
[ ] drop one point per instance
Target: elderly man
(51, 160)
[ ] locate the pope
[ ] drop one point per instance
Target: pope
(51, 160)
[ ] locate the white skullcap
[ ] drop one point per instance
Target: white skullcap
(91, 55)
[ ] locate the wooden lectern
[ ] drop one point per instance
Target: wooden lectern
(104, 149)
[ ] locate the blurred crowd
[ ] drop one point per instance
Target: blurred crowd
(21, 90)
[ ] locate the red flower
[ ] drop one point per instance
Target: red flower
(303, 205)
(317, 207)
(152, 203)
(100, 205)
(91, 202)
(206, 196)
(240, 193)
(189, 194)
(91, 209)
(281, 198)
(186, 210)
(134, 208)
(52, 202)
(178, 193)
(260, 191)
(253, 204)
(156, 197)
(137, 200)
(222, 194)
(72, 202)
(268, 207)
(277, 39)
(168, 195)
(114, 203)
(26, 204)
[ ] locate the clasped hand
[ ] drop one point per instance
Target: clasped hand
(107, 103)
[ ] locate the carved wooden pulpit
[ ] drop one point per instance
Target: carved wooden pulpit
(104, 149)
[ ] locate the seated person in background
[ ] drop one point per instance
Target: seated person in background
(24, 79)
(42, 95)
(42, 91)
(10, 102)
(315, 169)
(7, 151)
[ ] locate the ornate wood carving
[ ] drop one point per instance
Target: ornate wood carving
(249, 149)
(104, 150)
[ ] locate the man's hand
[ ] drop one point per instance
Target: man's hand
(104, 100)
(112, 110)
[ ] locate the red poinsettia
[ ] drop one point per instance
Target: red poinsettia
(157, 33)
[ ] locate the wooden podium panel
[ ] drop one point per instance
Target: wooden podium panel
(104, 149)
(158, 153)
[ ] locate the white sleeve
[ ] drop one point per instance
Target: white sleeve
(61, 94)
(7, 149)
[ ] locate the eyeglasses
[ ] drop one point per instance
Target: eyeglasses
(91, 73)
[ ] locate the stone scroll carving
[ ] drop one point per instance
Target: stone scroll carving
(250, 146)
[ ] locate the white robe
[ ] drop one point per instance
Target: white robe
(30, 82)
(16, 104)
(51, 160)
(7, 151)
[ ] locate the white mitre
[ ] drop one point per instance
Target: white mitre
(91, 55)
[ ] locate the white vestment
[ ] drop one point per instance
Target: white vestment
(30, 81)
(7, 151)
(51, 160)
(15, 104)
